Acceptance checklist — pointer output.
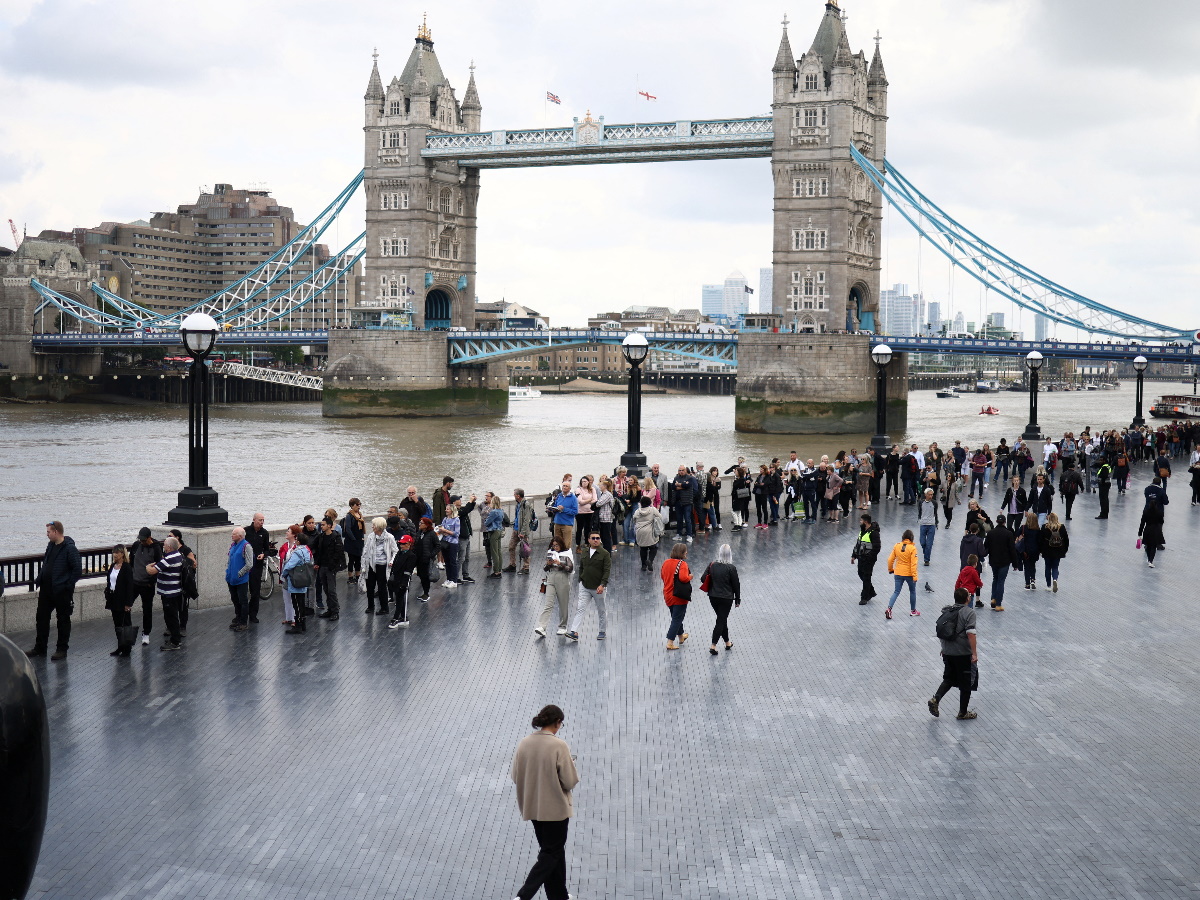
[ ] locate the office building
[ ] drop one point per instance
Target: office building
(737, 297)
(933, 322)
(766, 290)
(1041, 327)
(712, 299)
(897, 311)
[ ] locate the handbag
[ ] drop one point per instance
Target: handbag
(127, 636)
(542, 588)
(706, 581)
(524, 549)
(680, 589)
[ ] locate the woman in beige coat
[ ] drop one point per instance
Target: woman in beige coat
(544, 772)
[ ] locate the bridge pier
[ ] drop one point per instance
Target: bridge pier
(814, 384)
(407, 373)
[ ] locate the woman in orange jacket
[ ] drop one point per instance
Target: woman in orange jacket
(903, 564)
(676, 593)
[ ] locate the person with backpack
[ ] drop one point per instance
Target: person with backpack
(1070, 483)
(910, 469)
(1001, 549)
(902, 563)
(865, 553)
(1054, 542)
(1028, 546)
(1121, 470)
(960, 654)
(724, 590)
(298, 576)
(1162, 468)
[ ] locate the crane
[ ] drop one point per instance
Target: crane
(16, 240)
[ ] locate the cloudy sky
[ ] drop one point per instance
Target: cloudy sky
(1064, 131)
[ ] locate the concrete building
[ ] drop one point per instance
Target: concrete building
(736, 295)
(827, 215)
(656, 318)
(898, 311)
(766, 287)
(712, 299)
(1041, 327)
(180, 258)
(934, 317)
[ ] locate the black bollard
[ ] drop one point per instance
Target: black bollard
(24, 770)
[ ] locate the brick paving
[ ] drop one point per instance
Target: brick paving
(359, 762)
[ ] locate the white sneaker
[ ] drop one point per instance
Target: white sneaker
(1150, 564)
(561, 631)
(145, 639)
(540, 631)
(689, 540)
(441, 565)
(449, 584)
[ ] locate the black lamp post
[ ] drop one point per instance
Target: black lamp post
(1139, 365)
(635, 348)
(882, 355)
(1034, 361)
(198, 505)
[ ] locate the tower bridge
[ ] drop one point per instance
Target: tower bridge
(424, 150)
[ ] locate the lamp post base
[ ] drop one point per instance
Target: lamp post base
(635, 463)
(198, 508)
(1138, 422)
(1032, 432)
(881, 442)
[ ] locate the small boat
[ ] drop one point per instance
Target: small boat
(948, 394)
(987, 387)
(523, 393)
(989, 411)
(1090, 386)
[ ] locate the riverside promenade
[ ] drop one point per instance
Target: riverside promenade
(357, 762)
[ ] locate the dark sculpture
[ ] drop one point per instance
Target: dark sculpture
(24, 770)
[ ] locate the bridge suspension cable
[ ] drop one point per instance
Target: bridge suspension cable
(999, 272)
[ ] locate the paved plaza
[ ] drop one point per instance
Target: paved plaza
(359, 762)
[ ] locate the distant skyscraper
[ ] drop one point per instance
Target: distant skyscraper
(766, 287)
(919, 319)
(995, 320)
(960, 323)
(935, 317)
(712, 299)
(897, 310)
(1041, 327)
(737, 300)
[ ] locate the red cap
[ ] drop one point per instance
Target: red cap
(406, 538)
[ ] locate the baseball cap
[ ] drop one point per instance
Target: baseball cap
(406, 539)
(144, 533)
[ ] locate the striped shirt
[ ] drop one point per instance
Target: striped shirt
(170, 568)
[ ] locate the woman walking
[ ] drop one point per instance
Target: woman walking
(1054, 543)
(586, 495)
(118, 594)
(379, 549)
(761, 486)
(724, 593)
(1150, 529)
(902, 563)
(299, 557)
(1028, 546)
(557, 586)
(677, 592)
(648, 530)
(493, 531)
(544, 772)
(448, 537)
(951, 493)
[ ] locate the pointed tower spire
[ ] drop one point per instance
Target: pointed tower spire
(876, 74)
(785, 60)
(375, 85)
(471, 106)
(843, 56)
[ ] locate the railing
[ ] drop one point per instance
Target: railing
(273, 376)
(22, 571)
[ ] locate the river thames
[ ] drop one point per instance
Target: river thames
(106, 470)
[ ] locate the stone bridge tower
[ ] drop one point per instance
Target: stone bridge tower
(815, 375)
(828, 216)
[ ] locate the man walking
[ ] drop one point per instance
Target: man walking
(866, 551)
(594, 569)
(237, 575)
(1001, 546)
(522, 516)
(329, 554)
(61, 568)
(169, 572)
(927, 519)
(143, 553)
(1070, 483)
(956, 630)
(259, 540)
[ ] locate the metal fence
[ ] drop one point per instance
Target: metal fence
(22, 571)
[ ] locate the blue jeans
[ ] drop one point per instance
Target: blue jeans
(630, 536)
(999, 576)
(1041, 519)
(1051, 570)
(1002, 469)
(910, 490)
(928, 533)
(684, 526)
(712, 517)
(774, 501)
(912, 590)
(677, 613)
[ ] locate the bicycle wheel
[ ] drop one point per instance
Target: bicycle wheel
(267, 585)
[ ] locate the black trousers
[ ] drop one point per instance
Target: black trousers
(172, 604)
(648, 554)
(760, 509)
(865, 568)
(890, 489)
(377, 581)
(721, 608)
(1069, 500)
(238, 596)
(146, 593)
(1104, 488)
(255, 589)
(550, 869)
(956, 674)
(61, 605)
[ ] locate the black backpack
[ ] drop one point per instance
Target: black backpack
(947, 623)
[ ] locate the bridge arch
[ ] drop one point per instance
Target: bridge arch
(439, 307)
(859, 315)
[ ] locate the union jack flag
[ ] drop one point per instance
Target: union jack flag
(553, 98)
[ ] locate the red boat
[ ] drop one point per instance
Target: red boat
(989, 411)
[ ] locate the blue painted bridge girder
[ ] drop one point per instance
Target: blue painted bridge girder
(474, 347)
(590, 142)
(1180, 353)
(152, 337)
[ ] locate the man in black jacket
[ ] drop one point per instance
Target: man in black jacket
(260, 542)
(866, 551)
(328, 558)
(1002, 553)
(61, 568)
(143, 552)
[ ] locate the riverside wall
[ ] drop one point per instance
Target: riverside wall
(407, 374)
(814, 384)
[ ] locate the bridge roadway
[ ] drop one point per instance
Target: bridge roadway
(361, 762)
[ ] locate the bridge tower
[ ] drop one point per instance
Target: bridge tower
(816, 376)
(419, 267)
